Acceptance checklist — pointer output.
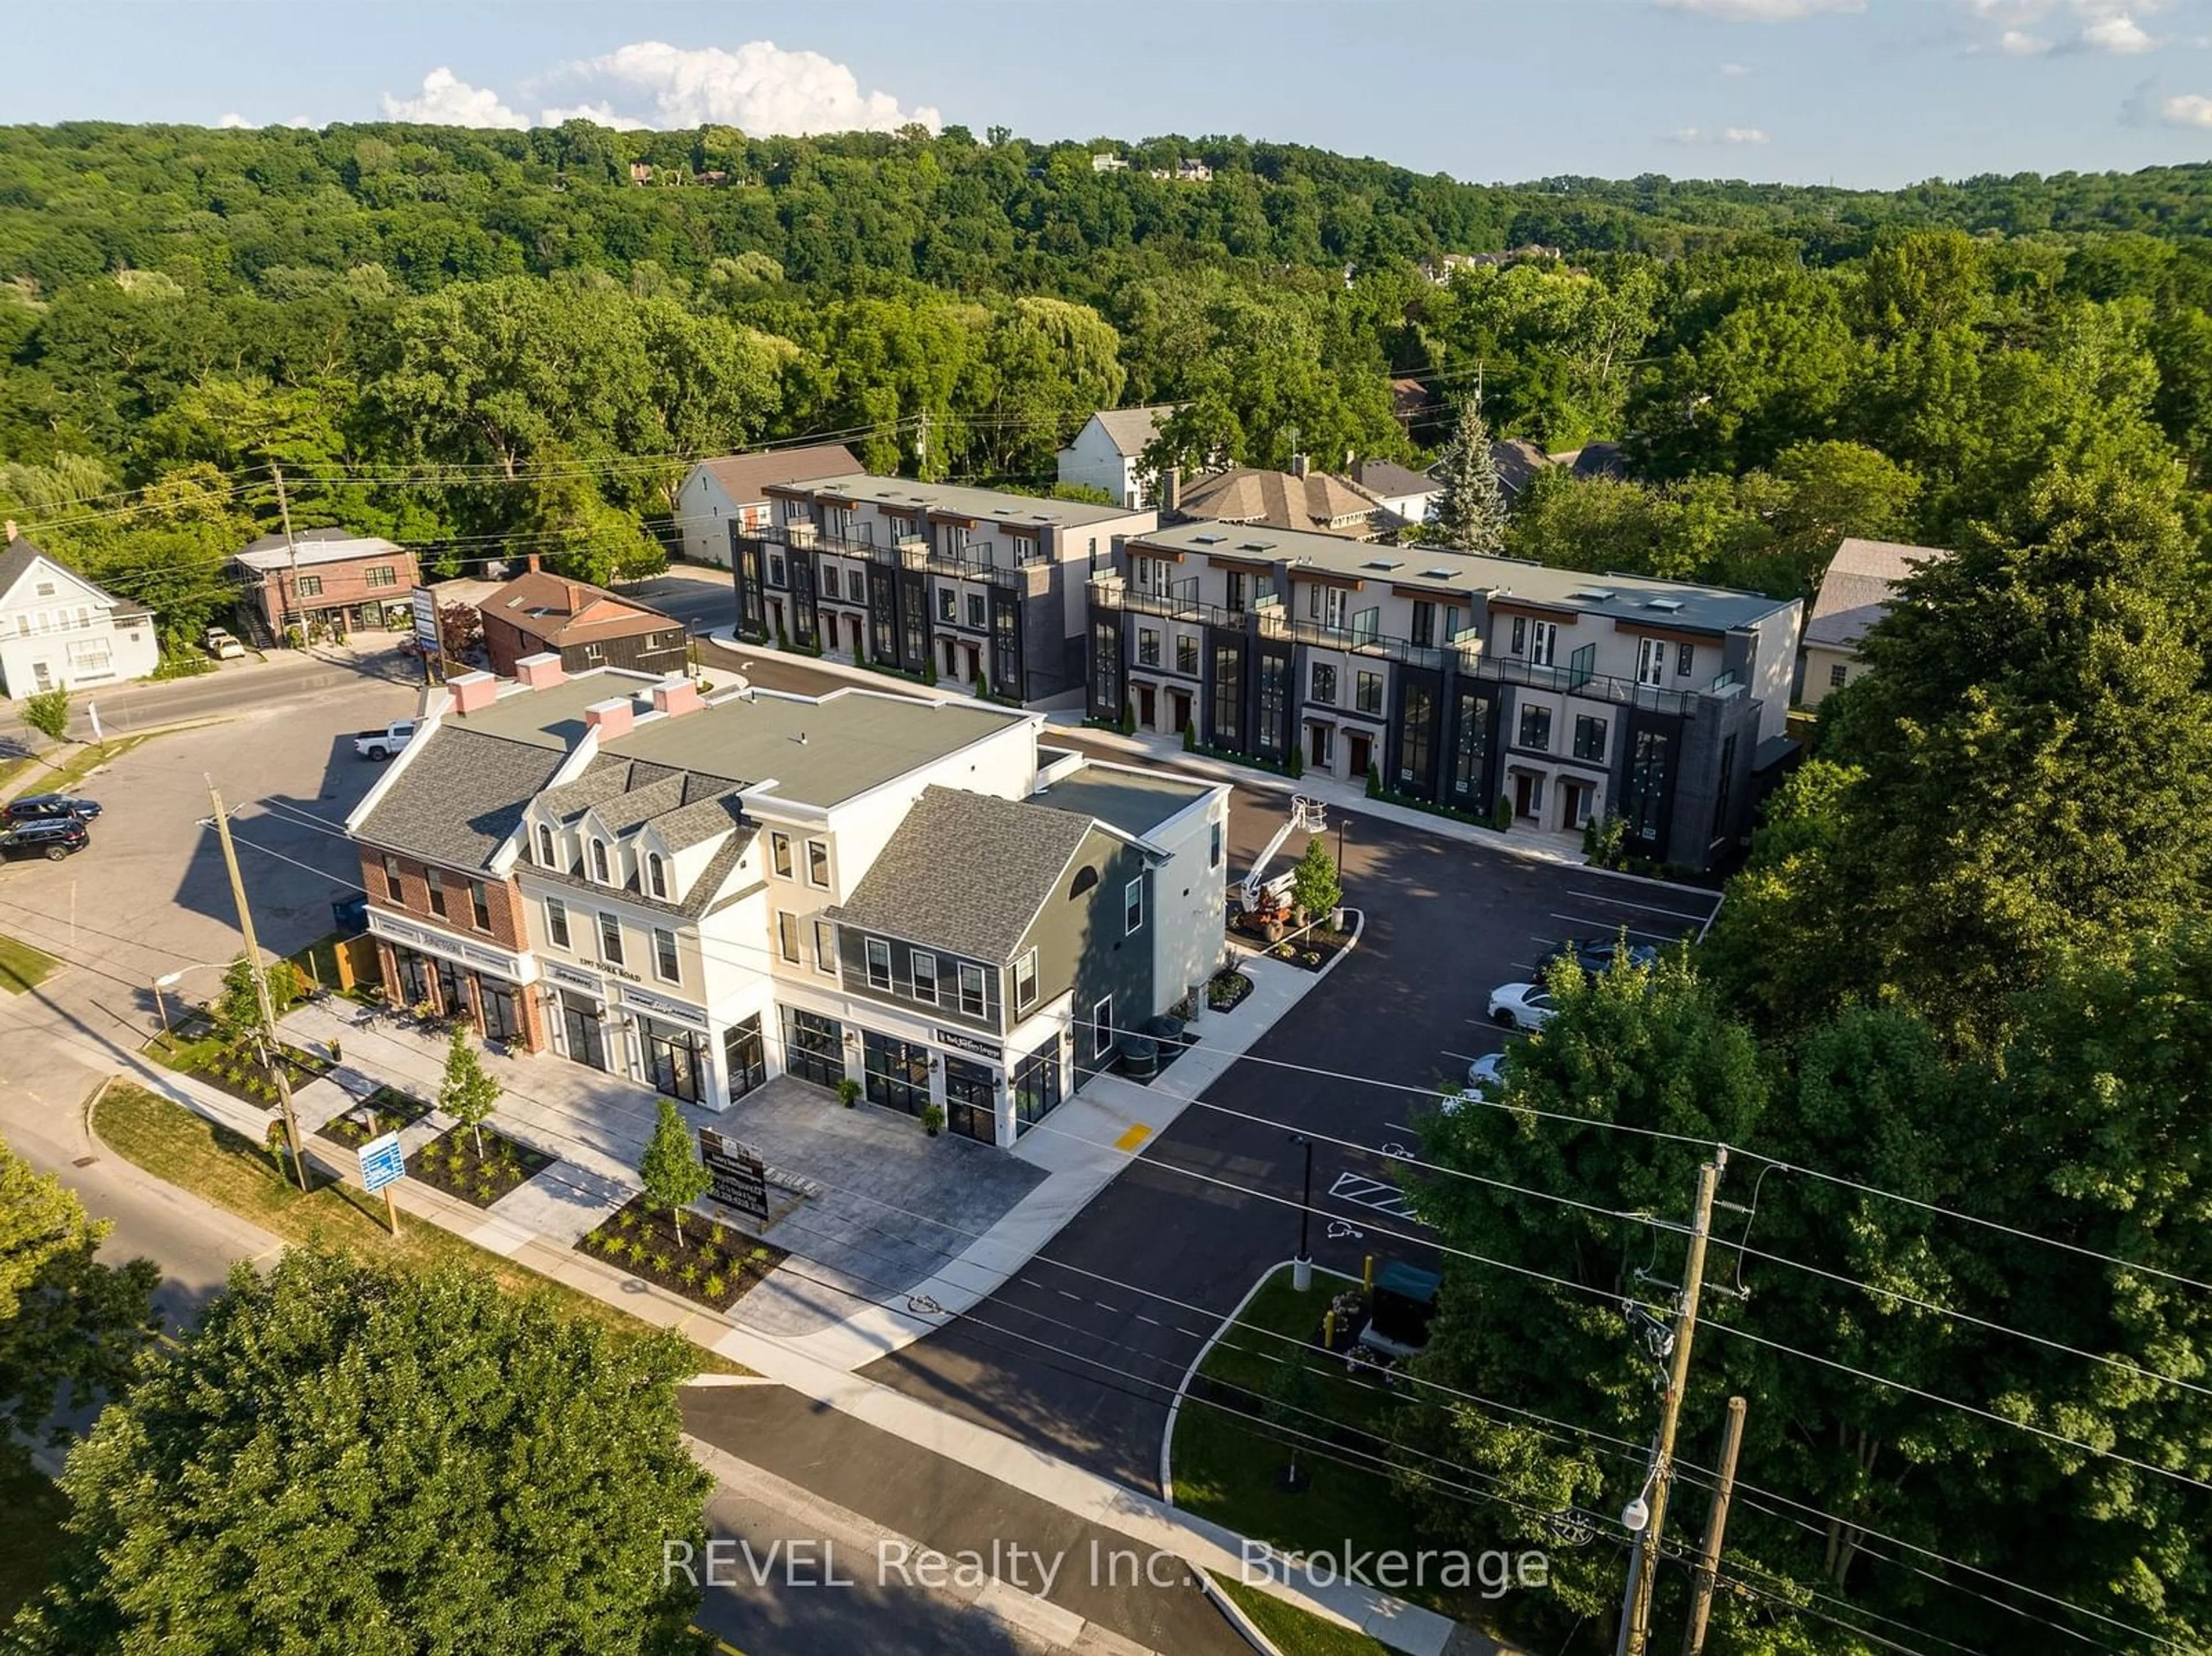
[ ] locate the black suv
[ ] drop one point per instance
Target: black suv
(51, 837)
(43, 807)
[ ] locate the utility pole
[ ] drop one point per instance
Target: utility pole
(291, 556)
(260, 986)
(1709, 1560)
(1635, 1609)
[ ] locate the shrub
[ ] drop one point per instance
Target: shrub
(932, 1119)
(1373, 783)
(848, 1092)
(689, 1276)
(626, 1218)
(1311, 957)
(1501, 814)
(715, 1287)
(718, 1235)
(1190, 736)
(1128, 719)
(636, 1251)
(663, 1264)
(1297, 767)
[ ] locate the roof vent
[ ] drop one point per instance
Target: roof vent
(1668, 605)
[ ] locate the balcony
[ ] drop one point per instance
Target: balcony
(906, 554)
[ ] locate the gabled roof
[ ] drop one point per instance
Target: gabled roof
(745, 477)
(558, 611)
(966, 872)
(18, 559)
(1389, 479)
(1316, 502)
(460, 798)
(1517, 462)
(1132, 430)
(1861, 584)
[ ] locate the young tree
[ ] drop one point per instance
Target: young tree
(68, 1323)
(672, 1170)
(1315, 887)
(47, 713)
(352, 1458)
(1290, 1406)
(469, 1092)
(1470, 507)
(237, 1009)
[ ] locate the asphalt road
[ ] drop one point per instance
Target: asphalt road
(698, 597)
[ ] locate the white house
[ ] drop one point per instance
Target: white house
(58, 629)
(1104, 454)
(733, 490)
(1405, 493)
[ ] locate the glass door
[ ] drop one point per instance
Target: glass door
(896, 1072)
(971, 1099)
(744, 1056)
(813, 1047)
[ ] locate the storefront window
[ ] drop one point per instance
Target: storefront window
(744, 1056)
(675, 1059)
(1036, 1086)
(971, 1099)
(813, 1047)
(896, 1071)
(502, 1017)
(582, 1035)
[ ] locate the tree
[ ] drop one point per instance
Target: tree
(1290, 1406)
(47, 713)
(237, 1007)
(1315, 887)
(469, 1092)
(356, 1458)
(1470, 508)
(69, 1325)
(673, 1175)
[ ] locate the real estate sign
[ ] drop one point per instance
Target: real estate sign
(739, 1178)
(381, 1163)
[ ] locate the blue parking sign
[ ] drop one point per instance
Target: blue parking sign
(382, 1162)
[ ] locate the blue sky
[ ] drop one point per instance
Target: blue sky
(1862, 92)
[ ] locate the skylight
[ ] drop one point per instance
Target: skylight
(1439, 575)
(1595, 594)
(1211, 540)
(1669, 605)
(1383, 563)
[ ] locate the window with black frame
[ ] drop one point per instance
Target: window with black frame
(1036, 1086)
(675, 1059)
(813, 1047)
(744, 1056)
(971, 1099)
(896, 1072)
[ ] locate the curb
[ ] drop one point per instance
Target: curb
(1233, 1613)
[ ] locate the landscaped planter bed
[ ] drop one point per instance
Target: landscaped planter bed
(232, 1066)
(1310, 951)
(1225, 990)
(712, 1265)
(453, 1164)
(385, 1110)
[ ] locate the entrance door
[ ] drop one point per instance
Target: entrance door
(1319, 746)
(1527, 795)
(1570, 804)
(585, 1038)
(1179, 709)
(975, 665)
(896, 1072)
(971, 1101)
(502, 1018)
(813, 1047)
(1147, 705)
(1360, 749)
(744, 1057)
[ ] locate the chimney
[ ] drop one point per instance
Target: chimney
(531, 563)
(610, 717)
(575, 595)
(539, 672)
(676, 696)
(473, 692)
(1172, 491)
(1297, 465)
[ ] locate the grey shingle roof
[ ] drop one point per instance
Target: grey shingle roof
(702, 818)
(965, 871)
(745, 477)
(1131, 430)
(1860, 586)
(460, 798)
(1388, 478)
(15, 562)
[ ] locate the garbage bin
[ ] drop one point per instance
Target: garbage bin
(1140, 1057)
(1167, 1029)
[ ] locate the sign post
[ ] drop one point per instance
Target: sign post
(383, 1166)
(738, 1178)
(428, 638)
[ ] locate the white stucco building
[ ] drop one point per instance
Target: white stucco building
(1105, 452)
(58, 629)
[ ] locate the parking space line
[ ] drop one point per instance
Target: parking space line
(1467, 1057)
(1649, 908)
(1660, 936)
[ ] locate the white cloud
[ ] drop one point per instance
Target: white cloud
(1735, 70)
(758, 88)
(234, 119)
(2119, 33)
(449, 101)
(2188, 109)
(1730, 134)
(2019, 43)
(1743, 135)
(600, 114)
(1761, 11)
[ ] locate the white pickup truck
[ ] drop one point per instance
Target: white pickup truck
(382, 744)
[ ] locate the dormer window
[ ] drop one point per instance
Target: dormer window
(599, 862)
(656, 874)
(545, 857)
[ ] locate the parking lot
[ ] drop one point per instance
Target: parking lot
(1082, 1350)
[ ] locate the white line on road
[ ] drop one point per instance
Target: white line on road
(1691, 918)
(1657, 936)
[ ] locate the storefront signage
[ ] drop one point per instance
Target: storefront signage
(509, 967)
(675, 1011)
(424, 603)
(960, 1043)
(739, 1180)
(575, 980)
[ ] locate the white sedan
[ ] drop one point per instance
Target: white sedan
(1526, 1006)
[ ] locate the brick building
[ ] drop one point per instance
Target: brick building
(585, 625)
(329, 579)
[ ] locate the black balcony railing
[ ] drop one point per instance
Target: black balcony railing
(961, 564)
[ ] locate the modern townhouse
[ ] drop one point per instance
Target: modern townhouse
(970, 586)
(651, 885)
(1456, 680)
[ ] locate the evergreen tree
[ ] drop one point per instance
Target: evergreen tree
(1469, 511)
(469, 1092)
(350, 1458)
(672, 1170)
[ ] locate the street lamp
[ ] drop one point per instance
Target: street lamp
(1302, 1267)
(170, 981)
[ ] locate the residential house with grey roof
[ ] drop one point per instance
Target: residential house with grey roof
(1860, 585)
(611, 869)
(59, 630)
(969, 586)
(1456, 680)
(1106, 453)
(722, 499)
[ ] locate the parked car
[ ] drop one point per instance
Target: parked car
(382, 744)
(1597, 955)
(1485, 1077)
(46, 807)
(222, 646)
(51, 837)
(1522, 1005)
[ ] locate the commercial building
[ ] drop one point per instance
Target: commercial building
(1860, 585)
(969, 586)
(585, 625)
(1455, 680)
(324, 581)
(606, 869)
(58, 629)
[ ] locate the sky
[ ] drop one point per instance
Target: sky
(1862, 93)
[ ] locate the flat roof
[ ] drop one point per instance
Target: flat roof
(553, 717)
(1448, 571)
(311, 552)
(1019, 510)
(1135, 802)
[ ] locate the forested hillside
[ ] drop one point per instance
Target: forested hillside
(482, 341)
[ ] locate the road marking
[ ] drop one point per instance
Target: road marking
(1136, 1134)
(1376, 1193)
(1656, 936)
(1649, 908)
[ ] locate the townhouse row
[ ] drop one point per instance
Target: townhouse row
(607, 869)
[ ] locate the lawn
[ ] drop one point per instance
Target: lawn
(1293, 1631)
(1228, 1463)
(64, 777)
(188, 1150)
(31, 1541)
(22, 967)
